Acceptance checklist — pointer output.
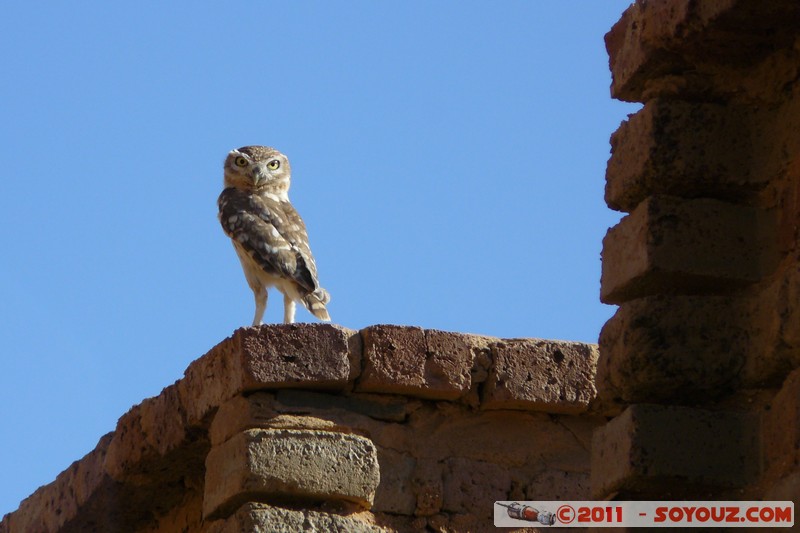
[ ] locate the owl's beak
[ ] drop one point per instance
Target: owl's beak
(259, 175)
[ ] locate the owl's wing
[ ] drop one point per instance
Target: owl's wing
(272, 233)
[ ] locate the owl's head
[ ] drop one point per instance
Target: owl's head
(258, 168)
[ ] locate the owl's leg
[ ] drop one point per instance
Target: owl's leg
(288, 309)
(260, 294)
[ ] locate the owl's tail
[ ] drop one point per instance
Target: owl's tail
(315, 302)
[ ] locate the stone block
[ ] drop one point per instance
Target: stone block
(258, 517)
(379, 407)
(211, 380)
(676, 47)
(527, 437)
(255, 410)
(451, 359)
(686, 149)
(471, 487)
(184, 516)
(786, 489)
(269, 410)
(298, 355)
(145, 433)
(299, 409)
(395, 493)
(556, 484)
(414, 362)
(786, 307)
(668, 245)
(296, 409)
(394, 359)
(680, 349)
(428, 487)
(311, 356)
(781, 430)
(290, 464)
(56, 504)
(539, 375)
(641, 46)
(774, 329)
(680, 451)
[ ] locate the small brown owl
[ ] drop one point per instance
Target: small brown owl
(268, 234)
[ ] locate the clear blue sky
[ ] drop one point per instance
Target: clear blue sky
(448, 158)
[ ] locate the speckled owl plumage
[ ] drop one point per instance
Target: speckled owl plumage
(268, 234)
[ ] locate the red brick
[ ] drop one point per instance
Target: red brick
(311, 356)
(394, 359)
(286, 463)
(773, 331)
(468, 483)
(684, 149)
(668, 245)
(210, 380)
(55, 504)
(781, 430)
(322, 356)
(395, 493)
(681, 451)
(673, 46)
(241, 413)
(254, 516)
(146, 433)
(786, 489)
(681, 349)
(409, 360)
(539, 375)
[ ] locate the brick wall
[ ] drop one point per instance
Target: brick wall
(387, 428)
(705, 265)
(694, 392)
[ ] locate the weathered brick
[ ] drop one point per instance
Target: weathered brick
(681, 349)
(450, 359)
(379, 407)
(299, 409)
(680, 451)
(539, 375)
(668, 245)
(684, 149)
(450, 430)
(298, 355)
(775, 322)
(428, 487)
(412, 361)
(469, 485)
(673, 46)
(786, 310)
(781, 430)
(394, 359)
(210, 380)
(257, 517)
(240, 413)
(558, 484)
(395, 493)
(279, 464)
(53, 505)
(641, 46)
(311, 356)
(146, 433)
(786, 489)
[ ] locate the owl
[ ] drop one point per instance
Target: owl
(268, 234)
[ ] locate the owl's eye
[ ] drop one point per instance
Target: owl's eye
(274, 164)
(240, 161)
